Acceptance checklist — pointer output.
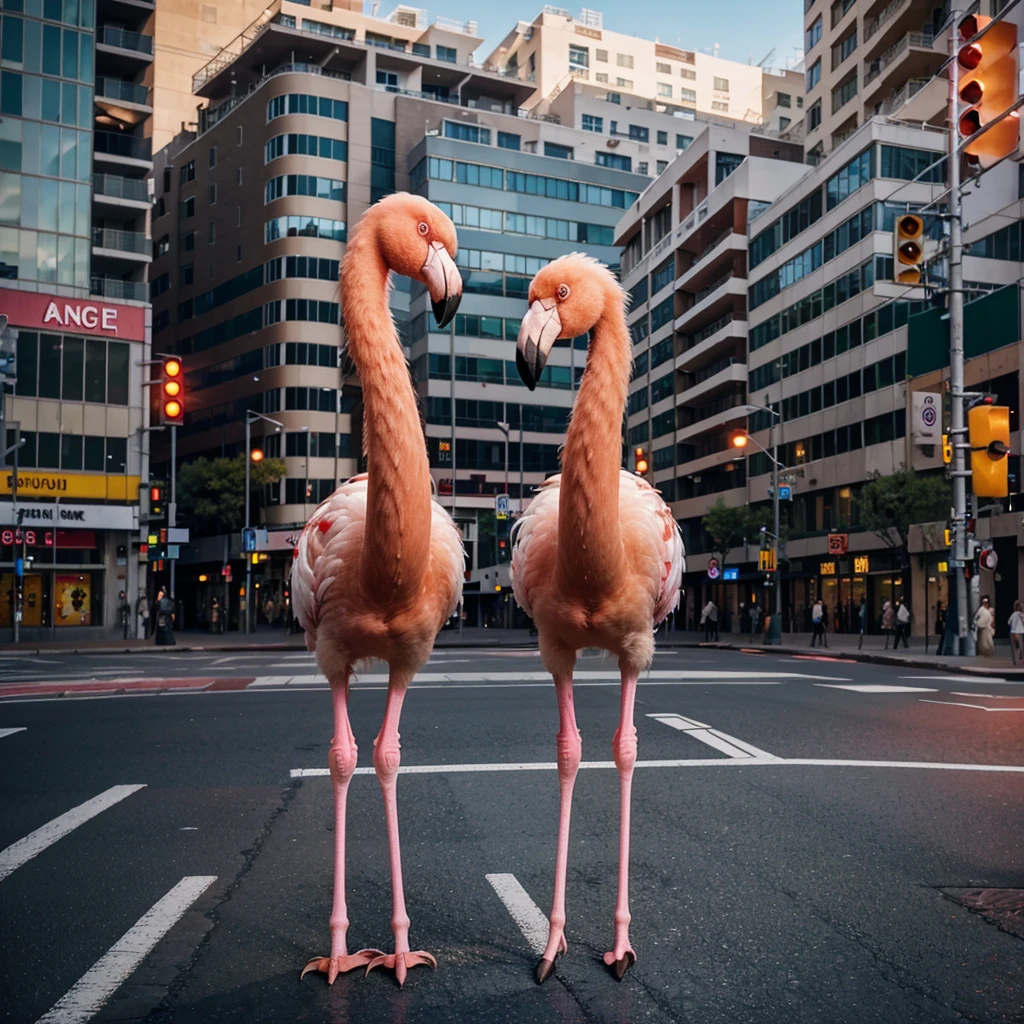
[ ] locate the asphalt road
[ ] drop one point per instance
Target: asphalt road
(792, 859)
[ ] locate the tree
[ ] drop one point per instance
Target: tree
(890, 505)
(728, 527)
(211, 492)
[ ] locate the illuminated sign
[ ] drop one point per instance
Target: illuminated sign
(35, 484)
(837, 543)
(827, 569)
(83, 316)
(861, 564)
(730, 574)
(943, 566)
(766, 560)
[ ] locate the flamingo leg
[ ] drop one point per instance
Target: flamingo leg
(342, 763)
(622, 957)
(569, 752)
(387, 756)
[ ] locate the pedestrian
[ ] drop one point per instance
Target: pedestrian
(888, 620)
(902, 624)
(755, 619)
(124, 611)
(983, 622)
(940, 620)
(215, 623)
(164, 631)
(837, 622)
(709, 620)
(862, 620)
(1016, 625)
(142, 614)
(818, 628)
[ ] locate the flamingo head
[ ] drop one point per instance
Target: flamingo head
(567, 297)
(417, 240)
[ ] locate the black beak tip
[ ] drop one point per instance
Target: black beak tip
(524, 370)
(446, 308)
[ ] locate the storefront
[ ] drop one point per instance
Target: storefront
(841, 582)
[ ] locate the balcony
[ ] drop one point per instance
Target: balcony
(122, 92)
(886, 16)
(910, 57)
(713, 416)
(716, 256)
(130, 43)
(117, 186)
(115, 288)
(727, 294)
(116, 146)
(711, 378)
(704, 342)
(113, 242)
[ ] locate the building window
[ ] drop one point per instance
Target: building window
(725, 164)
(213, 194)
(688, 74)
(624, 83)
(188, 172)
(638, 133)
(624, 60)
(663, 69)
(813, 115)
(187, 208)
(304, 185)
(556, 150)
(238, 135)
(305, 145)
(211, 233)
(601, 55)
(813, 76)
(590, 123)
(508, 140)
(783, 99)
(688, 95)
(664, 89)
(163, 245)
(641, 167)
(213, 156)
(388, 79)
(616, 160)
(842, 50)
(720, 105)
(812, 35)
(721, 84)
(784, 123)
(447, 54)
(842, 94)
(601, 76)
(167, 179)
(662, 166)
(467, 132)
(579, 58)
(682, 141)
(662, 138)
(187, 275)
(382, 158)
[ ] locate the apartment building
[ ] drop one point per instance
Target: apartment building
(863, 58)
(73, 254)
(556, 48)
(320, 115)
(684, 262)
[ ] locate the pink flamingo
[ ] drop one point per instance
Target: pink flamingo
(598, 558)
(379, 566)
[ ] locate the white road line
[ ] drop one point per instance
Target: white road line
(35, 842)
(877, 688)
(225, 661)
(958, 704)
(11, 732)
(532, 922)
(728, 745)
(86, 997)
(990, 696)
(711, 762)
(962, 679)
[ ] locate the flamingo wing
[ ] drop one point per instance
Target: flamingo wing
(447, 559)
(536, 528)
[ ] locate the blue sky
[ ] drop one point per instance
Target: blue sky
(743, 29)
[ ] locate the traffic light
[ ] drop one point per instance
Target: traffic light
(172, 397)
(990, 87)
(640, 464)
(989, 433)
(947, 449)
(156, 501)
(256, 455)
(908, 248)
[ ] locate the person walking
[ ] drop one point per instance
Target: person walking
(1016, 625)
(164, 616)
(888, 620)
(862, 621)
(755, 619)
(818, 629)
(940, 620)
(902, 624)
(709, 620)
(984, 619)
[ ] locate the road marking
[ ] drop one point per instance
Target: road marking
(990, 696)
(11, 732)
(876, 688)
(224, 661)
(532, 922)
(728, 745)
(710, 762)
(86, 997)
(823, 657)
(35, 842)
(958, 704)
(961, 679)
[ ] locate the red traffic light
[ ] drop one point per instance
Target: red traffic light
(172, 409)
(154, 494)
(172, 368)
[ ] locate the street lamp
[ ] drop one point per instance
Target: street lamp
(505, 428)
(740, 440)
(251, 417)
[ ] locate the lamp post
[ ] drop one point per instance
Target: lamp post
(251, 417)
(505, 428)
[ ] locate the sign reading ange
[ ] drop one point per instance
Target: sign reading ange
(85, 316)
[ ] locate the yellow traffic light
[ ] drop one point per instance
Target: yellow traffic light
(640, 464)
(947, 449)
(256, 455)
(990, 86)
(908, 248)
(171, 404)
(989, 433)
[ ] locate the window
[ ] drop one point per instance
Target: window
(783, 99)
(304, 185)
(163, 245)
(188, 172)
(305, 103)
(447, 54)
(842, 94)
(601, 55)
(239, 181)
(641, 167)
(591, 123)
(579, 58)
(725, 164)
(721, 84)
(167, 179)
(508, 140)
(688, 95)
(213, 194)
(300, 226)
(812, 35)
(904, 164)
(839, 9)
(688, 74)
(814, 115)
(555, 150)
(213, 156)
(467, 132)
(389, 79)
(639, 133)
(663, 69)
(662, 165)
(187, 275)
(601, 76)
(623, 60)
(622, 83)
(784, 123)
(616, 160)
(664, 89)
(813, 76)
(187, 208)
(682, 141)
(211, 234)
(238, 135)
(305, 145)
(719, 105)
(843, 49)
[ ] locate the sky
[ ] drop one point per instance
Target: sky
(744, 29)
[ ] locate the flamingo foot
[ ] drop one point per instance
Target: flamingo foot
(546, 966)
(619, 964)
(401, 962)
(332, 966)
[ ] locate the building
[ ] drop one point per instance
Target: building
(556, 48)
(684, 262)
(782, 102)
(75, 246)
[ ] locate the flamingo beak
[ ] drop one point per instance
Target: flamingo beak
(538, 332)
(443, 282)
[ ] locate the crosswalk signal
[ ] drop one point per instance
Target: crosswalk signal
(156, 502)
(908, 248)
(172, 398)
(989, 85)
(947, 449)
(989, 434)
(640, 464)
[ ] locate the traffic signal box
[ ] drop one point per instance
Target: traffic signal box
(989, 434)
(908, 248)
(988, 82)
(640, 463)
(172, 397)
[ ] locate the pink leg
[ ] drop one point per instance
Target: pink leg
(569, 751)
(343, 764)
(622, 957)
(387, 756)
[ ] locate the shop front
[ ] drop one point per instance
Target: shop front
(841, 582)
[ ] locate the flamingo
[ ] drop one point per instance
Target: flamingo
(378, 568)
(597, 558)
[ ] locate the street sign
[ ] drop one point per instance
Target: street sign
(988, 559)
(713, 569)
(177, 535)
(730, 574)
(173, 551)
(927, 407)
(766, 561)
(837, 543)
(785, 492)
(501, 506)
(248, 540)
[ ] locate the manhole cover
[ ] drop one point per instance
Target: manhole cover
(1001, 907)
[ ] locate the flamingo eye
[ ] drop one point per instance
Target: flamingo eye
(424, 228)
(563, 292)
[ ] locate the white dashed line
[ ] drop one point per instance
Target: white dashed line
(877, 688)
(11, 732)
(728, 745)
(526, 914)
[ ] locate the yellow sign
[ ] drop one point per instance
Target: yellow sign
(34, 483)
(943, 566)
(947, 536)
(827, 569)
(766, 560)
(72, 601)
(947, 449)
(861, 564)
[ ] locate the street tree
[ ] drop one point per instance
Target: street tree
(890, 505)
(211, 492)
(729, 526)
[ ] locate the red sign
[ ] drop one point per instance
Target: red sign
(75, 316)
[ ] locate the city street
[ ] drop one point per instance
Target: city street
(801, 829)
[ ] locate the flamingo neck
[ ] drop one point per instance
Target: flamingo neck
(590, 549)
(397, 534)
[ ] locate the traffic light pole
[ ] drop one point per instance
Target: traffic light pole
(248, 555)
(172, 508)
(774, 635)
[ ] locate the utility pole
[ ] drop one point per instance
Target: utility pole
(172, 508)
(248, 556)
(776, 624)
